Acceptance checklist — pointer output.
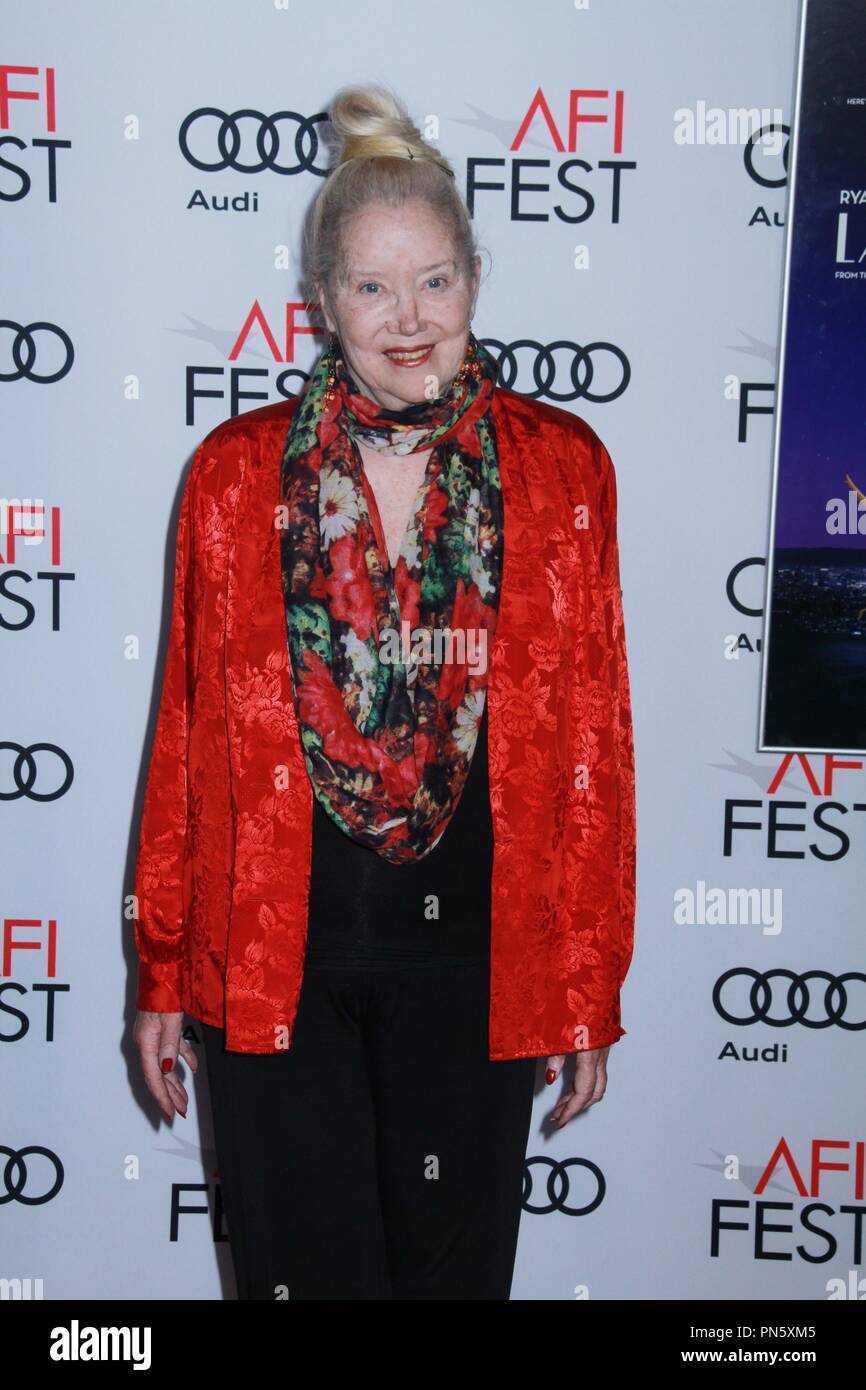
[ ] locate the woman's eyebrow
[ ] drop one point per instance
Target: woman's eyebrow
(423, 270)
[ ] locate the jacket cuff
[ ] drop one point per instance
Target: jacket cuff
(159, 987)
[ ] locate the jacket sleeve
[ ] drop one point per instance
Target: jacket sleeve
(161, 865)
(621, 771)
(601, 826)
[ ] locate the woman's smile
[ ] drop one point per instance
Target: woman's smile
(406, 357)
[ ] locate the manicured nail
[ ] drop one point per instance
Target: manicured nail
(167, 1064)
(551, 1076)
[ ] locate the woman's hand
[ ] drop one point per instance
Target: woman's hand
(590, 1083)
(158, 1039)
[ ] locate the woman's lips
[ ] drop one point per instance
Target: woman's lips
(405, 358)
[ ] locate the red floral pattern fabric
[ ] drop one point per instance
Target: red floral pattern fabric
(223, 870)
(388, 737)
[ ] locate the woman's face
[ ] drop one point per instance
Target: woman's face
(404, 292)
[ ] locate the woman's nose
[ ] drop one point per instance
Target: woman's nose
(407, 318)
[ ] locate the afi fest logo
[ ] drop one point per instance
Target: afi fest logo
(32, 593)
(821, 827)
(822, 1221)
(28, 942)
(28, 98)
(258, 337)
(587, 123)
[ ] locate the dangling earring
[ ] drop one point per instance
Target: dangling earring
(470, 365)
(331, 366)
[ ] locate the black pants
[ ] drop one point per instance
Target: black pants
(382, 1155)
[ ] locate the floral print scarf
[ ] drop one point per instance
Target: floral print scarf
(389, 666)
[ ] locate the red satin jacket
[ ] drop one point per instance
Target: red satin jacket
(223, 869)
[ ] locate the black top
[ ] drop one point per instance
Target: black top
(364, 911)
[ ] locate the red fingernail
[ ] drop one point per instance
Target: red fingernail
(167, 1064)
(551, 1076)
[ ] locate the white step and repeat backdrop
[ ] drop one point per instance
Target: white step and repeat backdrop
(156, 161)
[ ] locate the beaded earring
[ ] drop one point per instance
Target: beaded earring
(469, 367)
(331, 365)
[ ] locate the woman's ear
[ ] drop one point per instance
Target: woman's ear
(322, 303)
(476, 281)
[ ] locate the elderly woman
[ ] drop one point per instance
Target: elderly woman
(387, 848)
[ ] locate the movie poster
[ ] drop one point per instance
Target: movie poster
(813, 687)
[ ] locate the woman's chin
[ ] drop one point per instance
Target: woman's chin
(404, 393)
(417, 384)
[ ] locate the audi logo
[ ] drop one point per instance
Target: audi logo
(270, 141)
(24, 771)
(16, 1174)
(753, 161)
(579, 371)
(558, 1186)
(24, 351)
(730, 587)
(796, 1001)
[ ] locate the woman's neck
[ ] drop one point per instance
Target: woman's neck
(395, 480)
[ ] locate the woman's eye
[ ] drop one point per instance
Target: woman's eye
(368, 284)
(440, 278)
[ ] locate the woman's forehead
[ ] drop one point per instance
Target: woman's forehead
(371, 256)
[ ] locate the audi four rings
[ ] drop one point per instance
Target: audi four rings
(544, 368)
(228, 140)
(796, 998)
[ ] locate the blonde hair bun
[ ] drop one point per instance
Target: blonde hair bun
(370, 122)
